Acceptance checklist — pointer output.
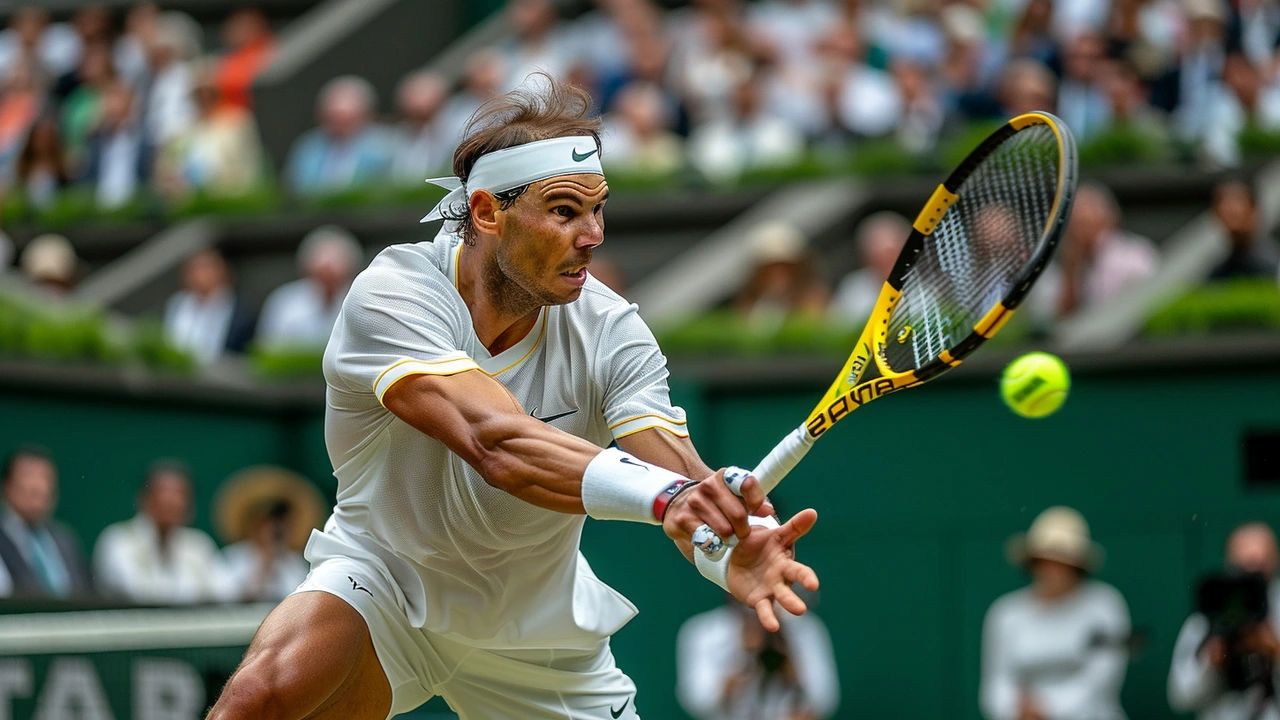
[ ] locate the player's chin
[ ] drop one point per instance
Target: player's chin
(569, 284)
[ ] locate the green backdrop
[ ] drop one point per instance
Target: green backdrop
(916, 497)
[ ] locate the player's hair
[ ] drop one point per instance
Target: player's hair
(36, 452)
(542, 108)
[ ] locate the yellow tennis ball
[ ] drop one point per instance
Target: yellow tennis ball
(1035, 385)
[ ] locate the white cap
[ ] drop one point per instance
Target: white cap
(49, 257)
(1060, 534)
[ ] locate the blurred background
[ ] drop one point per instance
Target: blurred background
(187, 188)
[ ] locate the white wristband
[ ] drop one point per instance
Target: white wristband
(717, 571)
(618, 486)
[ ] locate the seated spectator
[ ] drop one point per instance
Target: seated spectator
(347, 150)
(922, 107)
(729, 667)
(205, 319)
(879, 239)
(168, 108)
(54, 47)
(1240, 101)
(481, 81)
(1251, 254)
(1200, 66)
(1081, 99)
(1026, 86)
(92, 24)
(712, 57)
(218, 154)
(1033, 33)
(539, 42)
(1055, 649)
(248, 45)
(866, 102)
(42, 170)
(1128, 102)
(130, 51)
(748, 138)
(421, 148)
(267, 514)
(39, 556)
(117, 157)
(1099, 260)
(22, 100)
(80, 109)
(1211, 657)
(155, 559)
(638, 136)
(50, 262)
(783, 282)
(301, 314)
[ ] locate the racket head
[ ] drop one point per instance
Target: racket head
(974, 253)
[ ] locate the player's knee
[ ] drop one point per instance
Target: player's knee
(257, 691)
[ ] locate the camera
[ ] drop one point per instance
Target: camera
(1235, 603)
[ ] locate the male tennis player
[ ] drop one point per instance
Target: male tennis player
(472, 382)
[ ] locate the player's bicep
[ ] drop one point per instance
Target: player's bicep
(666, 450)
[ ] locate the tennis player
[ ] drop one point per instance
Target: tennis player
(472, 384)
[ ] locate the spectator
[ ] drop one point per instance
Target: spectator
(1033, 33)
(638, 136)
(1241, 101)
(879, 239)
(42, 170)
(481, 81)
(1200, 66)
(867, 102)
(1027, 86)
(154, 558)
(747, 139)
(301, 314)
(1128, 102)
(130, 52)
(206, 319)
(22, 100)
(783, 282)
(730, 668)
(219, 154)
(970, 64)
(922, 108)
(421, 145)
(168, 107)
(249, 45)
(50, 262)
(54, 49)
(92, 25)
(1081, 100)
(81, 108)
(713, 59)
(267, 513)
(117, 158)
(1055, 649)
(1099, 260)
(1251, 253)
(539, 42)
(347, 150)
(39, 556)
(1207, 654)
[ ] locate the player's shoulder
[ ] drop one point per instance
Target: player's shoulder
(424, 264)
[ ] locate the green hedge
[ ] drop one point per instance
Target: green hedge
(1230, 306)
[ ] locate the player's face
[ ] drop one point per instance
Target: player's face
(550, 233)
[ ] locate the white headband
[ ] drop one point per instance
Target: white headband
(515, 167)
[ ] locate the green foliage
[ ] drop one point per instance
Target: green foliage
(1235, 305)
(256, 201)
(722, 333)
(281, 363)
(1258, 142)
(151, 347)
(1124, 144)
(69, 334)
(954, 151)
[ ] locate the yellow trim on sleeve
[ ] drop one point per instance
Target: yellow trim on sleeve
(442, 373)
(660, 416)
(652, 427)
(398, 363)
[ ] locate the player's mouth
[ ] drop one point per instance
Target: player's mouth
(576, 277)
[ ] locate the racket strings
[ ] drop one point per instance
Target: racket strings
(979, 249)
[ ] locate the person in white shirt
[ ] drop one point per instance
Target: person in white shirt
(168, 107)
(1198, 674)
(748, 138)
(154, 558)
(729, 668)
(421, 145)
(1058, 648)
(301, 314)
(205, 319)
(1099, 260)
(474, 384)
(879, 238)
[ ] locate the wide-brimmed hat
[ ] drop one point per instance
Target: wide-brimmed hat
(254, 492)
(1060, 534)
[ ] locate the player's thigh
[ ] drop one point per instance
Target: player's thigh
(313, 657)
(541, 685)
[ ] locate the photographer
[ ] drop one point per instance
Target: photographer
(729, 668)
(1225, 658)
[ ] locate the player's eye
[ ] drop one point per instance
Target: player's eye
(563, 211)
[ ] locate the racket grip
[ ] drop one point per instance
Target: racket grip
(783, 458)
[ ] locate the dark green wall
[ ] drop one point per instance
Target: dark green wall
(916, 496)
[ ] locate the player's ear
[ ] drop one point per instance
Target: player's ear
(484, 212)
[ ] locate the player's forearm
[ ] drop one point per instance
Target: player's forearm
(532, 461)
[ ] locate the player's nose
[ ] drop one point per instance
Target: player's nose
(592, 234)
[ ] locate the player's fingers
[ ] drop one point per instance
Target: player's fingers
(789, 600)
(799, 524)
(768, 620)
(803, 574)
(730, 505)
(706, 511)
(766, 510)
(752, 495)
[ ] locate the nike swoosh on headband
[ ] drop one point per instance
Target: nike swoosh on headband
(577, 157)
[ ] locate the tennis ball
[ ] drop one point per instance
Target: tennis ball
(1035, 385)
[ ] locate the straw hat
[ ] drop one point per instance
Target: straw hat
(49, 257)
(252, 492)
(1059, 534)
(777, 241)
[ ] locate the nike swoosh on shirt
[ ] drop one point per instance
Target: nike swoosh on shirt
(578, 157)
(549, 418)
(618, 713)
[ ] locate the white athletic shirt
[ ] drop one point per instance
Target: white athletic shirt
(472, 561)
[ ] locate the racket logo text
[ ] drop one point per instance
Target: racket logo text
(822, 421)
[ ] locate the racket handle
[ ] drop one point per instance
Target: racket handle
(775, 466)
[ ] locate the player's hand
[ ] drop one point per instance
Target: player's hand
(763, 568)
(712, 503)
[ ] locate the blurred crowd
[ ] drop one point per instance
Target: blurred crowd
(264, 514)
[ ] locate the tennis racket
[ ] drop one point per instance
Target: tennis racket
(975, 250)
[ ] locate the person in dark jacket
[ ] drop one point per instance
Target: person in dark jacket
(39, 556)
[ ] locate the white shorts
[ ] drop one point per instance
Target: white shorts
(479, 684)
